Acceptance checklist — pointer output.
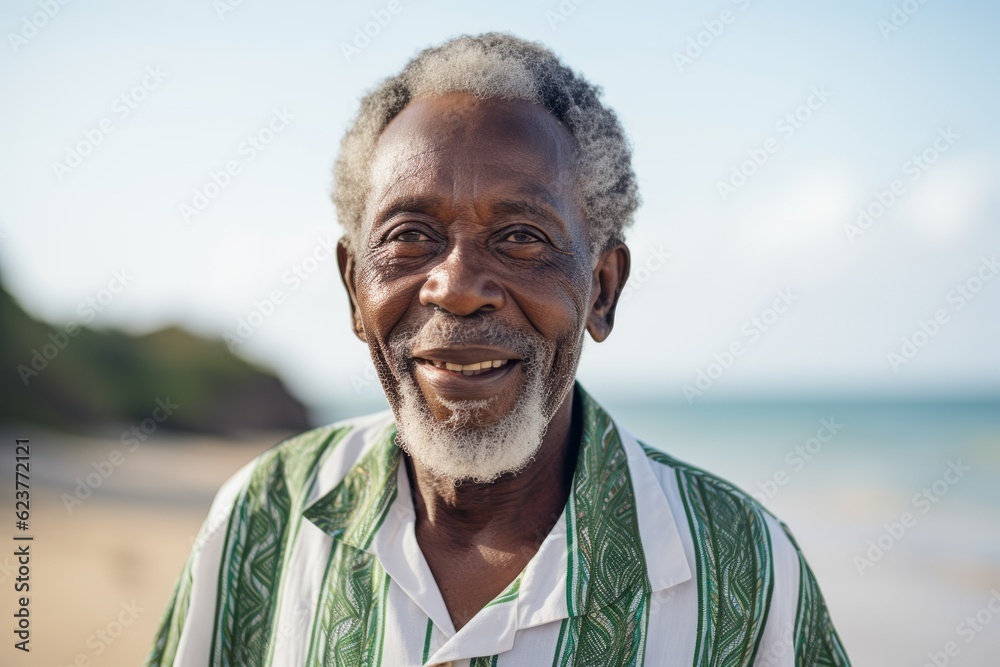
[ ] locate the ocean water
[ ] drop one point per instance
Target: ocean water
(896, 446)
(898, 594)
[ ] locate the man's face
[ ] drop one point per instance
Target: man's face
(474, 252)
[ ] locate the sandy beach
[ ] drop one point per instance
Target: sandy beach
(103, 567)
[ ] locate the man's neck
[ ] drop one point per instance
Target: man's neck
(487, 533)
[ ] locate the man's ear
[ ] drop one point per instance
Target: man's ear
(345, 260)
(610, 275)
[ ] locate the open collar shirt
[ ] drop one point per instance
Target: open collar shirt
(309, 557)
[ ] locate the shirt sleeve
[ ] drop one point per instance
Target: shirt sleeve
(798, 631)
(816, 640)
(185, 633)
(816, 643)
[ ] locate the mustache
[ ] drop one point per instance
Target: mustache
(451, 330)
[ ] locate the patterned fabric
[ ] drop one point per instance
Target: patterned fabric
(349, 628)
(734, 566)
(816, 641)
(309, 557)
(607, 593)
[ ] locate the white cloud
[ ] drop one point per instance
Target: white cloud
(950, 198)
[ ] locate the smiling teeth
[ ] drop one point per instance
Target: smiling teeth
(471, 369)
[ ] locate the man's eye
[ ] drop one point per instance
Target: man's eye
(412, 235)
(521, 237)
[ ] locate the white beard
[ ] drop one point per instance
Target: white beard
(459, 448)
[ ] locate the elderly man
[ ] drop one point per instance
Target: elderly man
(497, 515)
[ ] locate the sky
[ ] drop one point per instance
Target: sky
(819, 181)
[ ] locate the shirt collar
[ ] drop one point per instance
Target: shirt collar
(620, 527)
(616, 529)
(355, 508)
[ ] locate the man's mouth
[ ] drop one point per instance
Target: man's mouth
(467, 372)
(475, 368)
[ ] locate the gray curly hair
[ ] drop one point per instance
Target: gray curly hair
(499, 65)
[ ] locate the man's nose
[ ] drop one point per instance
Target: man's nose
(462, 285)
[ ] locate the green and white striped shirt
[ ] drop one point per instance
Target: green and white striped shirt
(309, 557)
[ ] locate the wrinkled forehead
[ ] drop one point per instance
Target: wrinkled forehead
(474, 148)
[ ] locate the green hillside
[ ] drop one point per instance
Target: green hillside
(78, 378)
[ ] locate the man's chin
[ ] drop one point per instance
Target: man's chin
(475, 440)
(466, 418)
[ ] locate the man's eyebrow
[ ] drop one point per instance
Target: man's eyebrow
(504, 208)
(527, 208)
(419, 203)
